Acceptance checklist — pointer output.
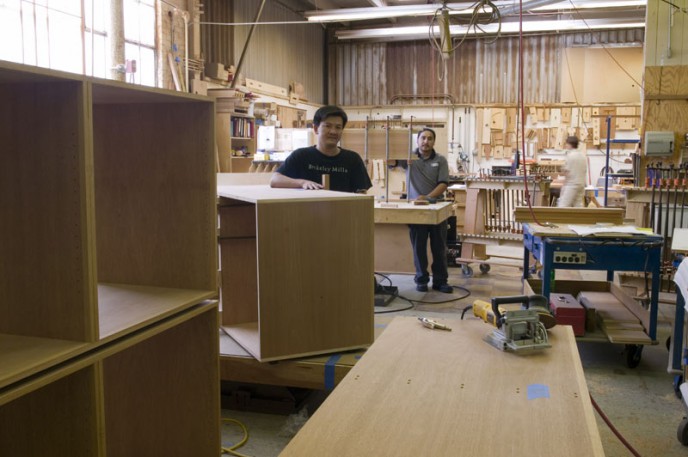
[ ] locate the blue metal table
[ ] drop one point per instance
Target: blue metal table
(609, 252)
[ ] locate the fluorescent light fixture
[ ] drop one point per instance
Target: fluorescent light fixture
(363, 14)
(421, 32)
(462, 8)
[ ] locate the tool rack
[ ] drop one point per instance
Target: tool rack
(489, 214)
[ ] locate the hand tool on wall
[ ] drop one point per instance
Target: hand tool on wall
(658, 228)
(676, 185)
(517, 330)
(684, 166)
(651, 173)
(670, 172)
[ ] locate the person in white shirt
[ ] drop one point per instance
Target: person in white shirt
(573, 191)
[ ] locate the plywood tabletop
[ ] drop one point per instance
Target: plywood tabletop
(408, 213)
(267, 194)
(123, 308)
(21, 356)
(418, 391)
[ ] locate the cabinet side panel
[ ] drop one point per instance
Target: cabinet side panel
(162, 395)
(239, 281)
(315, 275)
(155, 194)
(59, 419)
(46, 288)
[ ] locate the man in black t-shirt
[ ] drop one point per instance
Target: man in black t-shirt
(305, 167)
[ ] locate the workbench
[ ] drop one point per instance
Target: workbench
(422, 392)
(608, 252)
(393, 253)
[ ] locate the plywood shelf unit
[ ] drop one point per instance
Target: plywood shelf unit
(110, 190)
(296, 270)
(236, 132)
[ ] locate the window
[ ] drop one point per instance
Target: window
(139, 39)
(73, 35)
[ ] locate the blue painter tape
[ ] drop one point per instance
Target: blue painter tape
(538, 391)
(329, 371)
(380, 325)
(357, 357)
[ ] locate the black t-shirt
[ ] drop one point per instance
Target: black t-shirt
(347, 170)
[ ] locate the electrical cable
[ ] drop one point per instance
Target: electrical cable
(612, 428)
(232, 450)
(425, 302)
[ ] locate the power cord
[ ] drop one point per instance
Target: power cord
(413, 302)
(232, 450)
(612, 428)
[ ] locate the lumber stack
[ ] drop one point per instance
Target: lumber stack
(584, 216)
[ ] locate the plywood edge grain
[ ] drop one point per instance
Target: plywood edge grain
(124, 308)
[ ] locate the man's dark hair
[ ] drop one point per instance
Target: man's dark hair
(327, 111)
(573, 141)
(426, 129)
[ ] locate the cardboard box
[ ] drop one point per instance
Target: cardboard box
(568, 311)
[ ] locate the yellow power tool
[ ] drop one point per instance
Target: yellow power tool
(519, 329)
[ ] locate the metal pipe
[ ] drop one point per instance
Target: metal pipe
(248, 40)
(606, 165)
(386, 162)
(394, 98)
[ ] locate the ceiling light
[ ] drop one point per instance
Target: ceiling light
(461, 8)
(420, 32)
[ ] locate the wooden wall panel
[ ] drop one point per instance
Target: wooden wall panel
(279, 54)
(477, 72)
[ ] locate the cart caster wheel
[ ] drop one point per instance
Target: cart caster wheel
(467, 271)
(682, 432)
(634, 353)
(678, 380)
(484, 268)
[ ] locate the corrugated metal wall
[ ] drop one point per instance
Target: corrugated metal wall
(279, 54)
(216, 40)
(477, 72)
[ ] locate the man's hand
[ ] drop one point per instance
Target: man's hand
(310, 185)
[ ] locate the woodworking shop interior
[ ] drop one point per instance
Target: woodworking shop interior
(338, 228)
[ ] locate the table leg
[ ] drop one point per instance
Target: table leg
(677, 335)
(654, 296)
(610, 275)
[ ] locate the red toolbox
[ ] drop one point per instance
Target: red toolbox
(568, 311)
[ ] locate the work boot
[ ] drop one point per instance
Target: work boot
(422, 287)
(445, 288)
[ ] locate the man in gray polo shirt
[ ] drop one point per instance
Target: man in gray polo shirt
(428, 178)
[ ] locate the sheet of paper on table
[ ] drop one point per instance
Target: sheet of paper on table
(586, 230)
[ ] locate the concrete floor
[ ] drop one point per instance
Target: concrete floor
(640, 402)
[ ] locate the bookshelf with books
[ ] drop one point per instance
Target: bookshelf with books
(236, 141)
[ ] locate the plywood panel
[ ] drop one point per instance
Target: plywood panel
(239, 265)
(414, 379)
(155, 197)
(162, 395)
(335, 308)
(354, 139)
(61, 416)
(237, 221)
(45, 210)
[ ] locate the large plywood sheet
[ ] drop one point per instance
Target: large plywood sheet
(415, 387)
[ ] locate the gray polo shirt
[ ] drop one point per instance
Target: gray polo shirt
(426, 174)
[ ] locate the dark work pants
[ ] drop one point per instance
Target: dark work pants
(438, 247)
